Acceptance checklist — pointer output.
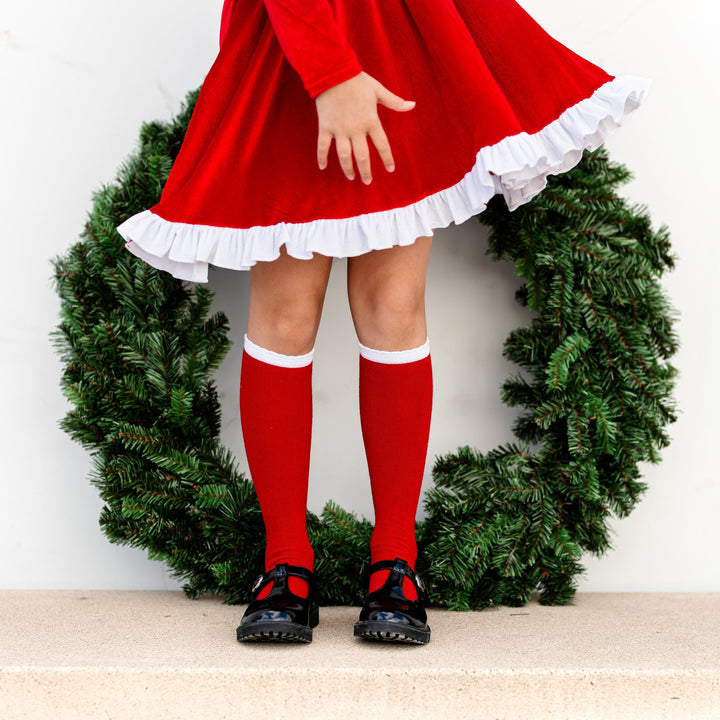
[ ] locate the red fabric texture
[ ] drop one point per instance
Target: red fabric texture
(395, 413)
(479, 70)
(276, 418)
(309, 38)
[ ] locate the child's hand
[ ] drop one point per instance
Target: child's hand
(348, 113)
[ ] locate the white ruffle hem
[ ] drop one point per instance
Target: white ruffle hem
(517, 167)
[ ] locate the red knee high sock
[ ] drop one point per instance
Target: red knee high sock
(276, 418)
(395, 410)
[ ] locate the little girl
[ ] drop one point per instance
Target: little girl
(354, 128)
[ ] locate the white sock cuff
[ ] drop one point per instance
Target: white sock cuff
(274, 358)
(398, 357)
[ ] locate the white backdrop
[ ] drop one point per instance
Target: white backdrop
(78, 78)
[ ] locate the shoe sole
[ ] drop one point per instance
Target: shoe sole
(274, 632)
(388, 632)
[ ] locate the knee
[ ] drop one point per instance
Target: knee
(287, 325)
(390, 317)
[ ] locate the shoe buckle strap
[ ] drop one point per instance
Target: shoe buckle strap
(278, 574)
(258, 584)
(401, 570)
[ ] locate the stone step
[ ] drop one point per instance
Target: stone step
(117, 655)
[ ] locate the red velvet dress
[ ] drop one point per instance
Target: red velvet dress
(499, 106)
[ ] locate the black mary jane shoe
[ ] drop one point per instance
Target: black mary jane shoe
(282, 616)
(387, 614)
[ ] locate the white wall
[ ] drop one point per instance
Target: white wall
(77, 80)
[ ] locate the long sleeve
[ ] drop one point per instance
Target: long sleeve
(312, 42)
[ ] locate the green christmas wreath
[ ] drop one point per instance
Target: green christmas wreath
(140, 349)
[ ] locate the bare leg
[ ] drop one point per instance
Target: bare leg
(286, 299)
(387, 298)
(386, 289)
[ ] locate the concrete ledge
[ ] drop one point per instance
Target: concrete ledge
(155, 655)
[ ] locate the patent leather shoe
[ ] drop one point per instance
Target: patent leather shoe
(281, 616)
(387, 614)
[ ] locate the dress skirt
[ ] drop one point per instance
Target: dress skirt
(500, 105)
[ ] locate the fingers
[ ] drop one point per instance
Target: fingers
(362, 157)
(344, 152)
(345, 149)
(377, 134)
(393, 101)
(357, 147)
(323, 147)
(380, 141)
(347, 114)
